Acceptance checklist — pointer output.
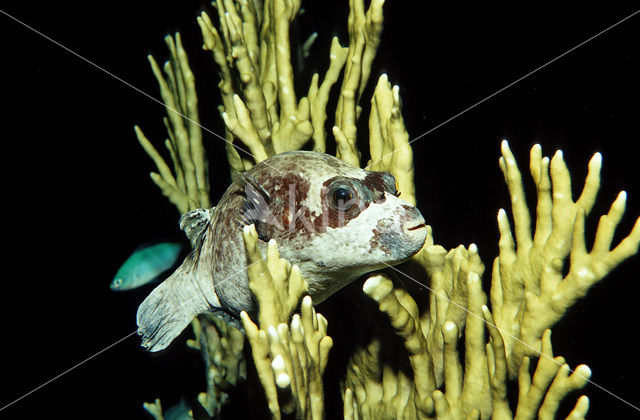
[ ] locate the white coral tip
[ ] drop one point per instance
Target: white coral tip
(449, 326)
(272, 332)
(283, 380)
(622, 196)
(295, 323)
(277, 363)
(583, 371)
(372, 282)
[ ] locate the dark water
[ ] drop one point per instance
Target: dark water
(78, 199)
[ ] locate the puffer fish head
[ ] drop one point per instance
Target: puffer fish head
(335, 221)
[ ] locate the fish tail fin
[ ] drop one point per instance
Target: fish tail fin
(170, 308)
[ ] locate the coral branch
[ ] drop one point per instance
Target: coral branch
(474, 389)
(529, 293)
(389, 139)
(364, 37)
(243, 128)
(155, 409)
(188, 189)
(319, 95)
(405, 320)
(221, 346)
(539, 397)
(290, 357)
(259, 105)
(181, 410)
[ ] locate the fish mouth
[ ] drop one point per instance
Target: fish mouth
(416, 227)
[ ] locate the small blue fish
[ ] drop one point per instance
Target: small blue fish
(145, 265)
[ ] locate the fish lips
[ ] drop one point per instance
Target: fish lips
(401, 235)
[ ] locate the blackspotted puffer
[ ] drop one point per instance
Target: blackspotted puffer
(335, 221)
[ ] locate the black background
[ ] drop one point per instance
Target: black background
(77, 197)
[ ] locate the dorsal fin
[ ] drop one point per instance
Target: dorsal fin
(195, 223)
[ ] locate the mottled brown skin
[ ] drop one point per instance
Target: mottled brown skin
(334, 221)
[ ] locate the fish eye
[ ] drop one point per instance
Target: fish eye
(117, 282)
(341, 198)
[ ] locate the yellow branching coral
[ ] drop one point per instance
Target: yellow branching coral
(444, 364)
(448, 274)
(471, 389)
(260, 107)
(430, 339)
(155, 409)
(528, 295)
(364, 37)
(529, 292)
(188, 187)
(389, 140)
(540, 396)
(319, 94)
(221, 346)
(290, 357)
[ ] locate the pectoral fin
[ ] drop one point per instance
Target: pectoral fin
(257, 206)
(172, 305)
